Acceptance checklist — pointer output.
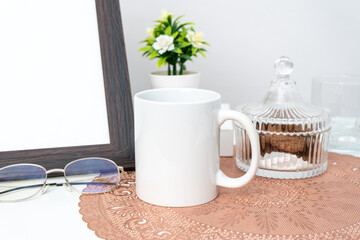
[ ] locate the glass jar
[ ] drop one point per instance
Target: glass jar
(293, 135)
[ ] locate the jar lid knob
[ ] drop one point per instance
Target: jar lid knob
(283, 66)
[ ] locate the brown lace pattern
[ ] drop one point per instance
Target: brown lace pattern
(323, 207)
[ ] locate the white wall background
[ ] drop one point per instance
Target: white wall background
(246, 37)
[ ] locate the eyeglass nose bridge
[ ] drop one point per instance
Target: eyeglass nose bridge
(55, 170)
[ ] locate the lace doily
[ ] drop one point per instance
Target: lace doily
(323, 207)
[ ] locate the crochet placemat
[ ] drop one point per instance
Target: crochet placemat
(322, 207)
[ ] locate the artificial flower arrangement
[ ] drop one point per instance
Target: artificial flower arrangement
(173, 43)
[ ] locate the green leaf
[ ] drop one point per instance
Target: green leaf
(174, 27)
(174, 35)
(202, 53)
(159, 21)
(154, 54)
(183, 44)
(193, 52)
(183, 34)
(187, 57)
(161, 61)
(146, 48)
(165, 25)
(146, 54)
(169, 18)
(157, 34)
(168, 31)
(177, 50)
(177, 19)
(185, 24)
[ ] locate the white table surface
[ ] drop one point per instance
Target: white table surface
(53, 215)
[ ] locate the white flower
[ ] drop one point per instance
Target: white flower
(164, 43)
(195, 38)
(149, 33)
(164, 15)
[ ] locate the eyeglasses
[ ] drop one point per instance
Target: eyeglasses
(86, 175)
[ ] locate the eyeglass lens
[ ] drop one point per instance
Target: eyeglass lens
(92, 175)
(21, 181)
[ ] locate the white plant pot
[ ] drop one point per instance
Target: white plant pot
(189, 79)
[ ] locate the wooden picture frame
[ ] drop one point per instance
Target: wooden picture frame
(118, 103)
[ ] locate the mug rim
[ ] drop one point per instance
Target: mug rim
(215, 96)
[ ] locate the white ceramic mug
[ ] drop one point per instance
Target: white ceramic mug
(177, 146)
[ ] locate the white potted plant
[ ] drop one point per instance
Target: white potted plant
(173, 43)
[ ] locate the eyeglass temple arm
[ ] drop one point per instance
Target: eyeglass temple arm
(54, 184)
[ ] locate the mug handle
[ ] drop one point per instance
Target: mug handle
(221, 178)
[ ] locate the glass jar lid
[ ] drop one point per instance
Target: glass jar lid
(283, 108)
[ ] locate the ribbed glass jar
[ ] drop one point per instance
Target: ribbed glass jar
(293, 135)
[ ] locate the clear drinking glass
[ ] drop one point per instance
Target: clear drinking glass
(293, 135)
(341, 94)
